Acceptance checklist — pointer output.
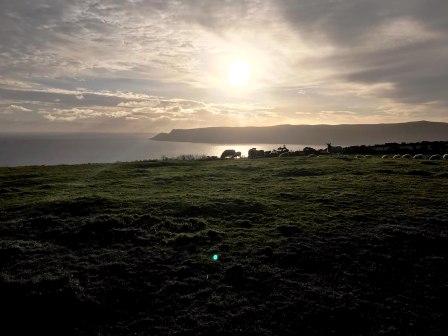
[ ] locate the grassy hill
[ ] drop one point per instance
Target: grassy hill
(306, 246)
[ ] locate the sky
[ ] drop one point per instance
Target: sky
(155, 65)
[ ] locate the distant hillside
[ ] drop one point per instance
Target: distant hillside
(346, 135)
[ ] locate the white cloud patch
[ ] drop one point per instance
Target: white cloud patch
(142, 103)
(331, 113)
(15, 108)
(69, 114)
(158, 108)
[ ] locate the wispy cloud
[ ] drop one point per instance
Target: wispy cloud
(15, 108)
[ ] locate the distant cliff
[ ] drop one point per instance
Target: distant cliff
(345, 135)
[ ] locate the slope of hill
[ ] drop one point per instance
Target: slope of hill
(346, 135)
(306, 246)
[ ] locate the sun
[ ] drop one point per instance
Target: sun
(239, 72)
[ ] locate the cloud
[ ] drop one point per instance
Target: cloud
(143, 103)
(69, 114)
(153, 108)
(165, 61)
(15, 108)
(243, 107)
(344, 22)
(399, 43)
(330, 113)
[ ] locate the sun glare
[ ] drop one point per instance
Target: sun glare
(239, 73)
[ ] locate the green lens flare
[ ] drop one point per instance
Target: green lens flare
(215, 257)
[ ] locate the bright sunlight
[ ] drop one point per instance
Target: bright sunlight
(239, 73)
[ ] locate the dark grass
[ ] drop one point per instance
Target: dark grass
(307, 246)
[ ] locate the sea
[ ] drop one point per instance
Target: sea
(24, 149)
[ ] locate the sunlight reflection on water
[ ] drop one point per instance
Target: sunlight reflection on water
(51, 149)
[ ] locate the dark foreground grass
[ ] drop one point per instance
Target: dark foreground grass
(307, 246)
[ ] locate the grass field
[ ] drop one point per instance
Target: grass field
(306, 246)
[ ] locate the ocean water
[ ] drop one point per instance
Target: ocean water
(20, 149)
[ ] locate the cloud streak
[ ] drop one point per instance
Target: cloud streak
(15, 108)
